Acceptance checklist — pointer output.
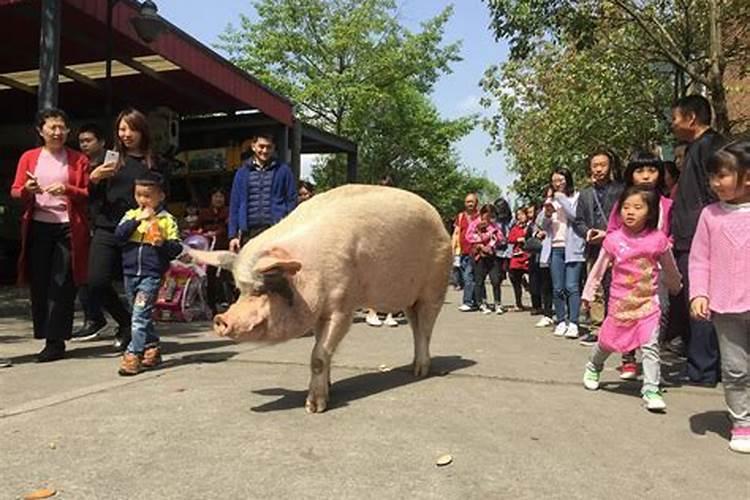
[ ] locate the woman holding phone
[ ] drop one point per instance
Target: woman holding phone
(51, 181)
(112, 189)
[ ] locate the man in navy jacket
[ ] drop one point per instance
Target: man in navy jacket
(264, 191)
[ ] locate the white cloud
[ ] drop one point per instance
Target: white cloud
(469, 104)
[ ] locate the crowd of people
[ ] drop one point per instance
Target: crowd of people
(95, 216)
(661, 247)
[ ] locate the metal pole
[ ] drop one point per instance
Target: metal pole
(296, 149)
(108, 64)
(351, 166)
(49, 54)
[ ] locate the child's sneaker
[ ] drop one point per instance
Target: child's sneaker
(588, 340)
(654, 401)
(628, 371)
(544, 322)
(740, 441)
(572, 331)
(130, 364)
(560, 329)
(151, 358)
(484, 309)
(591, 379)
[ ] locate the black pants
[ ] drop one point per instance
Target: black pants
(219, 287)
(482, 267)
(535, 285)
(50, 271)
(516, 279)
(545, 291)
(92, 311)
(703, 363)
(105, 266)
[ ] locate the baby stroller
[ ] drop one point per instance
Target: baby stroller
(182, 296)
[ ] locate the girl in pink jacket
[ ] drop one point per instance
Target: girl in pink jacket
(718, 271)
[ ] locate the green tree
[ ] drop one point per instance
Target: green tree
(559, 104)
(353, 69)
(697, 38)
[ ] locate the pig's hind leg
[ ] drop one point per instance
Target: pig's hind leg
(422, 316)
(327, 337)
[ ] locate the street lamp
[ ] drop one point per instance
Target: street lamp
(148, 26)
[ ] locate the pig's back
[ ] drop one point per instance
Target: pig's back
(385, 244)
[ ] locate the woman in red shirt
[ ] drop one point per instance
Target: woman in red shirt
(52, 184)
(519, 261)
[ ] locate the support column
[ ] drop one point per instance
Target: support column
(351, 166)
(282, 144)
(297, 149)
(49, 53)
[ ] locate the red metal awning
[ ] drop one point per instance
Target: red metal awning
(175, 70)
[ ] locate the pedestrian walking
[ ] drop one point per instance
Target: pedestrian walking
(719, 268)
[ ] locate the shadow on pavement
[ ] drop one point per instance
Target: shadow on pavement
(363, 385)
(711, 421)
(75, 351)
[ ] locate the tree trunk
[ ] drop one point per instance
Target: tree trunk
(716, 69)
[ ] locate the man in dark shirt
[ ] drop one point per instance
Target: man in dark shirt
(691, 123)
(91, 142)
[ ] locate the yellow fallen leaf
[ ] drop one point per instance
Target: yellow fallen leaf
(43, 493)
(444, 460)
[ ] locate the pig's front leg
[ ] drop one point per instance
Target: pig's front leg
(327, 337)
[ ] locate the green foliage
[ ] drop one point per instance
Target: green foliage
(558, 105)
(352, 69)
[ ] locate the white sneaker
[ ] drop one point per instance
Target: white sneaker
(499, 310)
(544, 322)
(389, 321)
(560, 329)
(484, 309)
(740, 441)
(465, 308)
(373, 320)
(572, 331)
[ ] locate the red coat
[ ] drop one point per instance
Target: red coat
(519, 259)
(77, 192)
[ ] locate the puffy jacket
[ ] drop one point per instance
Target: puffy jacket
(140, 257)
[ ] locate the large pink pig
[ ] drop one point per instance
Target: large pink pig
(354, 246)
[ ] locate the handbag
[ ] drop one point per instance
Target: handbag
(533, 244)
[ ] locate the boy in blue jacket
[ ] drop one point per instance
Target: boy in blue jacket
(150, 239)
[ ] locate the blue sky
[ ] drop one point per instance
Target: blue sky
(455, 94)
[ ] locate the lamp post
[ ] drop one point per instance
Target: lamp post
(49, 54)
(148, 26)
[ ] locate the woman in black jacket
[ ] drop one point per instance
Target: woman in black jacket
(112, 192)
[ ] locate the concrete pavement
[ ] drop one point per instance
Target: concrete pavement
(222, 420)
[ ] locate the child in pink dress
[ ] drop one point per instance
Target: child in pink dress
(719, 268)
(646, 171)
(638, 253)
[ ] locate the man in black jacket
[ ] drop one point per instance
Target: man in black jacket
(691, 123)
(592, 212)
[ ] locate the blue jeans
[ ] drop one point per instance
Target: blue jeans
(566, 286)
(467, 272)
(142, 292)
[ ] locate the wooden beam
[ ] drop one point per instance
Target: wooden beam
(80, 78)
(9, 82)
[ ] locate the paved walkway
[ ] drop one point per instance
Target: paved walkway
(227, 421)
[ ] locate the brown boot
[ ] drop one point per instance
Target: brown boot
(151, 357)
(130, 364)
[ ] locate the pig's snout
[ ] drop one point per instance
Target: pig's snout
(222, 325)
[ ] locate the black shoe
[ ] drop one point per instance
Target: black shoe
(52, 352)
(89, 331)
(588, 339)
(535, 312)
(122, 338)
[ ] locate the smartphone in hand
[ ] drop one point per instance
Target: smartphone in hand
(111, 157)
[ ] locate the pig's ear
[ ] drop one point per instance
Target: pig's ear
(277, 260)
(222, 259)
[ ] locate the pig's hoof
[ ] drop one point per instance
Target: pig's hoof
(421, 369)
(315, 404)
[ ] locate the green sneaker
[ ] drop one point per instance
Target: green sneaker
(654, 401)
(591, 379)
